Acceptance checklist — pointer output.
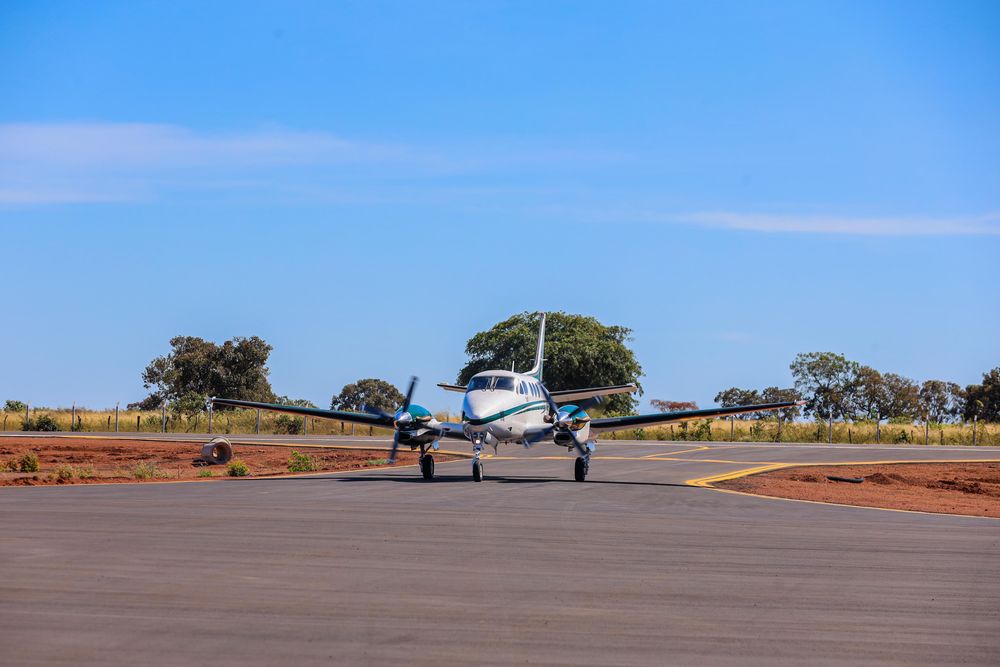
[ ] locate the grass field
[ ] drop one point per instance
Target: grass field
(244, 422)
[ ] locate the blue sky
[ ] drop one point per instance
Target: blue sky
(366, 185)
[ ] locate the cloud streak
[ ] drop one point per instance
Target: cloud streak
(863, 226)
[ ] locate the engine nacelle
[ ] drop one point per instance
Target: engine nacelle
(217, 452)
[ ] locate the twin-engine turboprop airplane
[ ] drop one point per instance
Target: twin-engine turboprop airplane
(506, 407)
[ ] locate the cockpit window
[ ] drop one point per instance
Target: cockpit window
(504, 384)
(492, 382)
(480, 383)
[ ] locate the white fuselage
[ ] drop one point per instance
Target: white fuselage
(501, 406)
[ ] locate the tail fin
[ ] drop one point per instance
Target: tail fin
(536, 370)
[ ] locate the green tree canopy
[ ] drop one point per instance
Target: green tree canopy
(983, 400)
(579, 351)
(236, 369)
(941, 401)
(14, 406)
(734, 396)
(827, 381)
(370, 392)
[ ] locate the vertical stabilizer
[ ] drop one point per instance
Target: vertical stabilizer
(536, 370)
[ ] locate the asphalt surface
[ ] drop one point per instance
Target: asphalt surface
(634, 566)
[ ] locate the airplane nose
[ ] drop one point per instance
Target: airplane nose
(477, 406)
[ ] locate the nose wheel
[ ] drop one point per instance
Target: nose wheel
(582, 468)
(477, 464)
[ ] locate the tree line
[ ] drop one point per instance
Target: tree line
(835, 387)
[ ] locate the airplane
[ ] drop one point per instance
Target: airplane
(503, 407)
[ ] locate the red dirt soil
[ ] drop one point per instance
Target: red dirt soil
(952, 488)
(94, 460)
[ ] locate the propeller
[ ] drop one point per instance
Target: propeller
(564, 423)
(402, 418)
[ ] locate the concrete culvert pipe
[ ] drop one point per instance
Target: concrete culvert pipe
(217, 452)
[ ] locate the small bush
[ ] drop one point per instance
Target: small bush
(28, 463)
(86, 472)
(65, 472)
(237, 468)
(376, 462)
(147, 470)
(205, 472)
(40, 423)
(289, 425)
(11, 465)
(300, 462)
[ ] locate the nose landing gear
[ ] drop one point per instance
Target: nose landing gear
(477, 464)
(582, 468)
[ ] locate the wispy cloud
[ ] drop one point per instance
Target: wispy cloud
(56, 163)
(861, 225)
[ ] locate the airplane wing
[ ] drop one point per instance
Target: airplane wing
(452, 387)
(445, 429)
(635, 421)
(340, 415)
(568, 395)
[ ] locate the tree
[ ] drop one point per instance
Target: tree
(236, 369)
(579, 351)
(983, 400)
(672, 406)
(14, 406)
(879, 396)
(941, 401)
(778, 395)
(298, 402)
(827, 381)
(734, 396)
(370, 392)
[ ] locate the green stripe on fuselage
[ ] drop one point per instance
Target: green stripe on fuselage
(527, 407)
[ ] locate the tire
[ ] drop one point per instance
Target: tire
(581, 469)
(427, 466)
(477, 471)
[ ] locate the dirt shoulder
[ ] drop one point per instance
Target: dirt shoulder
(92, 460)
(953, 488)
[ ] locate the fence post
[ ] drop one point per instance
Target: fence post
(974, 419)
(26, 406)
(732, 428)
(927, 431)
(258, 421)
(138, 429)
(116, 417)
(829, 432)
(72, 418)
(878, 432)
(305, 425)
(163, 417)
(210, 417)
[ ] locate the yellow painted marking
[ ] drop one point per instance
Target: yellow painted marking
(683, 451)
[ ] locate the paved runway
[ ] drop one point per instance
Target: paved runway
(635, 566)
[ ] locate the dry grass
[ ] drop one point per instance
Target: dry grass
(242, 422)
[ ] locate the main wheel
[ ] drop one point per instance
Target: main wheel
(477, 471)
(581, 469)
(427, 466)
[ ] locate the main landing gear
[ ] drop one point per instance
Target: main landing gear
(426, 463)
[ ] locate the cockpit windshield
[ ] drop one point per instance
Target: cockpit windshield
(493, 382)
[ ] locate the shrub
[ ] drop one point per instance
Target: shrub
(11, 465)
(28, 462)
(237, 468)
(289, 425)
(300, 462)
(40, 423)
(376, 462)
(147, 470)
(86, 472)
(65, 472)
(205, 472)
